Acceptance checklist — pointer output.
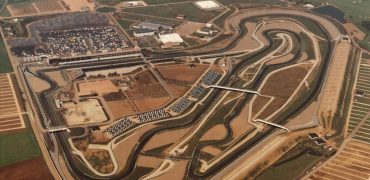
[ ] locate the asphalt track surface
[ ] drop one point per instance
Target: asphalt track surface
(81, 174)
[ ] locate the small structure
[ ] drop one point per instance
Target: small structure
(170, 40)
(359, 93)
(207, 5)
(153, 26)
(180, 16)
(143, 32)
(309, 6)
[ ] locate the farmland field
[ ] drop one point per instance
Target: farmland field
(10, 142)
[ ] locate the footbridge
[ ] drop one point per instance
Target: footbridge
(57, 129)
(235, 89)
(272, 124)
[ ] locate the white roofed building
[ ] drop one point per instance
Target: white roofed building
(207, 5)
(170, 40)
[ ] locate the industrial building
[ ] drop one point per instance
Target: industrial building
(152, 25)
(170, 40)
(143, 32)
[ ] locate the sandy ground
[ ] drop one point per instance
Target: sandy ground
(148, 161)
(240, 124)
(77, 5)
(120, 109)
(247, 42)
(37, 84)
(89, 111)
(152, 103)
(176, 172)
(166, 137)
(177, 91)
(189, 28)
(96, 86)
(211, 150)
(57, 77)
(187, 73)
(217, 132)
(305, 117)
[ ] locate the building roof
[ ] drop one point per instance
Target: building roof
(209, 4)
(170, 38)
(151, 25)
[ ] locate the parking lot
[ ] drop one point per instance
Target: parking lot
(10, 118)
(361, 105)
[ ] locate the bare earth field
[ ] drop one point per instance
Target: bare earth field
(22, 9)
(120, 109)
(98, 86)
(281, 85)
(188, 28)
(152, 103)
(30, 169)
(183, 72)
(176, 90)
(144, 92)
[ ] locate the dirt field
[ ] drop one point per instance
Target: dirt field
(148, 161)
(77, 5)
(281, 85)
(152, 103)
(217, 132)
(22, 9)
(37, 84)
(177, 91)
(96, 86)
(57, 77)
(120, 109)
(145, 78)
(258, 104)
(49, 5)
(188, 28)
(88, 111)
(144, 92)
(211, 150)
(351, 163)
(188, 74)
(30, 169)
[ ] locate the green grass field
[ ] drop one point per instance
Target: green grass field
(191, 12)
(106, 9)
(5, 65)
(18, 146)
(356, 12)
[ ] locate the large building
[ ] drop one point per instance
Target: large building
(170, 40)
